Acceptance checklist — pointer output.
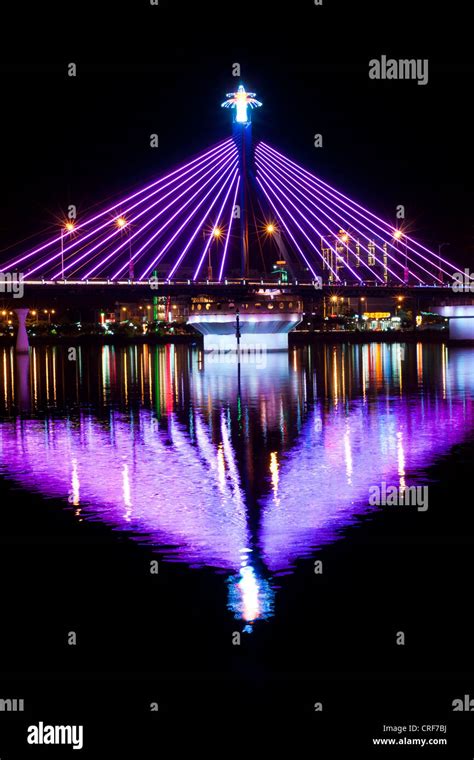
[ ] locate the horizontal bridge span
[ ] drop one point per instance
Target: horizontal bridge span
(140, 288)
(102, 294)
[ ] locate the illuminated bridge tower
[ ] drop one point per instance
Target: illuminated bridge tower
(242, 103)
(265, 316)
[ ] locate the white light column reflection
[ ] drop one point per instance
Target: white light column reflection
(75, 494)
(401, 461)
(127, 494)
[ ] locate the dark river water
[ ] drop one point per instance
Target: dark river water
(249, 485)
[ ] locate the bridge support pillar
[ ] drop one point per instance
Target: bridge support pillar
(461, 321)
(23, 377)
(22, 345)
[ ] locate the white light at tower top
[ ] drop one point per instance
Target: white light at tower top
(241, 101)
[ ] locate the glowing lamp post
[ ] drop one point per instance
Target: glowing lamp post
(216, 233)
(67, 228)
(122, 223)
(344, 238)
(398, 235)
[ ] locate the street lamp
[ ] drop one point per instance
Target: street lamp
(122, 223)
(216, 233)
(339, 237)
(345, 239)
(67, 228)
(397, 235)
(360, 309)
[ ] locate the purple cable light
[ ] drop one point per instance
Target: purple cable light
(206, 247)
(338, 256)
(371, 238)
(297, 197)
(332, 220)
(352, 204)
(201, 222)
(313, 203)
(373, 234)
(221, 167)
(223, 162)
(117, 231)
(197, 176)
(181, 170)
(229, 228)
(188, 185)
(285, 210)
(170, 241)
(283, 223)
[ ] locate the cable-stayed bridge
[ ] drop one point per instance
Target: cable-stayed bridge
(201, 211)
(237, 216)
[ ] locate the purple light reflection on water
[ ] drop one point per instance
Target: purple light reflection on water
(353, 449)
(127, 474)
(243, 476)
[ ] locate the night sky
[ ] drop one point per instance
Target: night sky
(165, 70)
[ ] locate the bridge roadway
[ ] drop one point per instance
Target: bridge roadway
(102, 293)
